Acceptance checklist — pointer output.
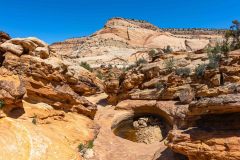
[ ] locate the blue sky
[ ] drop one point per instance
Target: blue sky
(56, 20)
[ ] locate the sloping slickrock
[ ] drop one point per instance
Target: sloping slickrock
(122, 41)
(54, 135)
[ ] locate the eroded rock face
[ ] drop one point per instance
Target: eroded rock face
(12, 90)
(122, 41)
(211, 129)
(43, 112)
(50, 79)
(204, 110)
(200, 144)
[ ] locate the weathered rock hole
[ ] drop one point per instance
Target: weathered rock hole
(142, 128)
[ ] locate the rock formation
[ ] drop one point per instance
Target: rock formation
(42, 103)
(123, 41)
(182, 102)
(205, 107)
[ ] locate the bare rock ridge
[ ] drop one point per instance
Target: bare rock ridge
(129, 40)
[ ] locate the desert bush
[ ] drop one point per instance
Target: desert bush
(159, 86)
(86, 66)
(200, 70)
(169, 64)
(184, 71)
(34, 120)
(2, 103)
(168, 49)
(140, 61)
(234, 33)
(81, 147)
(88, 145)
(154, 54)
(130, 67)
(99, 75)
(214, 59)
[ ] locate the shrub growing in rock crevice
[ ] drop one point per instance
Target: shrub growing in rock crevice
(86, 66)
(100, 75)
(168, 49)
(88, 145)
(200, 70)
(2, 103)
(86, 150)
(214, 59)
(155, 54)
(184, 71)
(159, 86)
(169, 64)
(140, 61)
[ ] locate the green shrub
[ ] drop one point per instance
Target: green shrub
(81, 147)
(88, 145)
(200, 70)
(169, 64)
(154, 54)
(159, 86)
(2, 103)
(130, 67)
(99, 75)
(217, 49)
(214, 59)
(86, 66)
(140, 61)
(168, 49)
(34, 120)
(234, 33)
(184, 71)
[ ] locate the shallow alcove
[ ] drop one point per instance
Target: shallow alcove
(228, 121)
(142, 128)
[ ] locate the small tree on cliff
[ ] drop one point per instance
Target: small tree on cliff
(234, 33)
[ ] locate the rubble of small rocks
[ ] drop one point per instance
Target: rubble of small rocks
(149, 130)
